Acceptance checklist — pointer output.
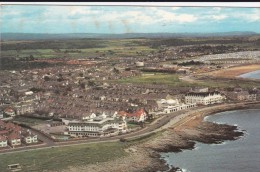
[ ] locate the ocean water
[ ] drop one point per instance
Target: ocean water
(242, 155)
(253, 75)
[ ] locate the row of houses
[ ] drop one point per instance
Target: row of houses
(14, 135)
(204, 98)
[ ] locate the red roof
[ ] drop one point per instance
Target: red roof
(2, 123)
(8, 110)
(4, 132)
(14, 135)
(3, 138)
(138, 113)
(122, 113)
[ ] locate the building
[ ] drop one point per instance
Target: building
(138, 116)
(171, 105)
(3, 141)
(99, 126)
(139, 64)
(23, 108)
(14, 139)
(9, 112)
(203, 98)
(1, 114)
(29, 137)
(13, 135)
(242, 95)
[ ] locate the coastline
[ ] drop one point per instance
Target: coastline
(174, 138)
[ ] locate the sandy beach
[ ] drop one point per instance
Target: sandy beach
(235, 71)
(174, 137)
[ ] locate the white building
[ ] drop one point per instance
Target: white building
(97, 127)
(171, 105)
(3, 141)
(203, 98)
(1, 114)
(29, 137)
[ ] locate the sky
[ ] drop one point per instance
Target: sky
(126, 19)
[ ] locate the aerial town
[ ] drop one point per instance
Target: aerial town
(86, 98)
(117, 100)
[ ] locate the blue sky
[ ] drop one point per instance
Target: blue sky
(127, 19)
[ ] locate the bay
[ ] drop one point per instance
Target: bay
(251, 75)
(232, 156)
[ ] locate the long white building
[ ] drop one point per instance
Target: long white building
(203, 98)
(170, 105)
(97, 127)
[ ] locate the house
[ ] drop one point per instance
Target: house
(203, 98)
(29, 137)
(240, 95)
(1, 114)
(9, 111)
(14, 138)
(13, 135)
(138, 116)
(3, 141)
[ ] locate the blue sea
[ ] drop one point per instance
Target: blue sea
(251, 75)
(242, 155)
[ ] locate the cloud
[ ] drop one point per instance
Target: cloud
(78, 10)
(129, 19)
(166, 16)
(175, 8)
(217, 9)
(251, 17)
(218, 17)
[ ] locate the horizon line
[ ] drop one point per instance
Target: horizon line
(128, 32)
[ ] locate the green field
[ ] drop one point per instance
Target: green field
(153, 78)
(60, 158)
(83, 48)
(173, 80)
(77, 155)
(29, 121)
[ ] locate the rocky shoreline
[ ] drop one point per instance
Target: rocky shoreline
(145, 157)
(186, 136)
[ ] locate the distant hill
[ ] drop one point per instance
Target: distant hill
(43, 36)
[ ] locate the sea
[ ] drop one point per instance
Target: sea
(242, 155)
(251, 75)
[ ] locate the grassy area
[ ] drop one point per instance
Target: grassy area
(131, 125)
(82, 48)
(173, 80)
(77, 155)
(60, 158)
(169, 79)
(29, 121)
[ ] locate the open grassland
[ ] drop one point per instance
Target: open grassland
(81, 48)
(60, 158)
(235, 71)
(71, 156)
(173, 80)
(157, 78)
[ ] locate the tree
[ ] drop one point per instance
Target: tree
(31, 57)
